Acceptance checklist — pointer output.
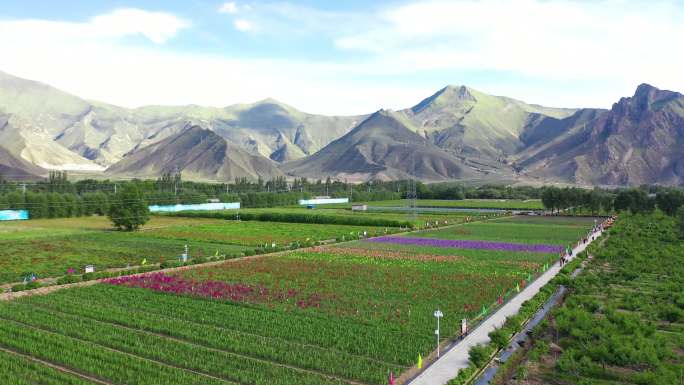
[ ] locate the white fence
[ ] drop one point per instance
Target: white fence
(195, 207)
(323, 201)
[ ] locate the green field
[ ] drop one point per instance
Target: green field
(623, 321)
(340, 314)
(335, 215)
(540, 230)
(506, 204)
(49, 247)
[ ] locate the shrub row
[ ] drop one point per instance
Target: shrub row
(296, 218)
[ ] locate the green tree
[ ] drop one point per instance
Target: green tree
(680, 222)
(37, 204)
(128, 210)
(669, 201)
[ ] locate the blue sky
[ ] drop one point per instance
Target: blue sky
(344, 57)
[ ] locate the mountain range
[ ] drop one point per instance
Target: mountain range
(456, 134)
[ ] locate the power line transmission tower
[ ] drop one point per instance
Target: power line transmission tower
(411, 194)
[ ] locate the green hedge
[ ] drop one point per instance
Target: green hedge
(295, 218)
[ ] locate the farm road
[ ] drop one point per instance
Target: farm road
(449, 364)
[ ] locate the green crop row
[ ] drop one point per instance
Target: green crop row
(99, 361)
(304, 328)
(224, 339)
(294, 217)
(17, 370)
(183, 355)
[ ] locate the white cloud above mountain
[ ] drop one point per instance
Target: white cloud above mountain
(382, 55)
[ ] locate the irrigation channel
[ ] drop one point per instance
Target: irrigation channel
(456, 357)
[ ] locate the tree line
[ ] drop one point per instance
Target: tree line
(595, 201)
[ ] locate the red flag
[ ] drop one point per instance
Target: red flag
(391, 379)
(500, 300)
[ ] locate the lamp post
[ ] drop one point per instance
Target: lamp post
(438, 314)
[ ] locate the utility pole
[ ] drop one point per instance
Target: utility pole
(411, 194)
(438, 314)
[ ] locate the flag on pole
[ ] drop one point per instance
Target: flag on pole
(420, 361)
(391, 378)
(484, 310)
(529, 277)
(144, 261)
(517, 288)
(500, 301)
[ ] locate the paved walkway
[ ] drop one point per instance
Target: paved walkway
(448, 365)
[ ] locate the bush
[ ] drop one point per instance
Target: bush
(479, 355)
(28, 286)
(69, 279)
(500, 337)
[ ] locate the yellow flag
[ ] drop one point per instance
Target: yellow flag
(144, 261)
(420, 361)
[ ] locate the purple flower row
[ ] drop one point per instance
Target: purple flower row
(465, 244)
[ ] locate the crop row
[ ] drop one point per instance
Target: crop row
(97, 360)
(191, 357)
(304, 328)
(506, 231)
(300, 355)
(17, 370)
(295, 217)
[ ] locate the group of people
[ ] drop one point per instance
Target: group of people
(565, 256)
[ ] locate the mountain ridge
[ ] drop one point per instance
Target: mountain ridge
(458, 132)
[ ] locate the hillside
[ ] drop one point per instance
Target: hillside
(456, 133)
(14, 168)
(385, 147)
(639, 140)
(55, 128)
(199, 154)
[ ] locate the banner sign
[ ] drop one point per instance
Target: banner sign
(14, 215)
(323, 201)
(195, 207)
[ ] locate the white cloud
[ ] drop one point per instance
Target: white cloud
(561, 40)
(573, 54)
(229, 7)
(158, 27)
(91, 60)
(243, 25)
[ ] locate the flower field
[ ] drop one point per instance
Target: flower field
(52, 246)
(466, 244)
(516, 230)
(348, 313)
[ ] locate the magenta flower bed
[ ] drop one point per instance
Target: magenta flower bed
(233, 292)
(465, 244)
